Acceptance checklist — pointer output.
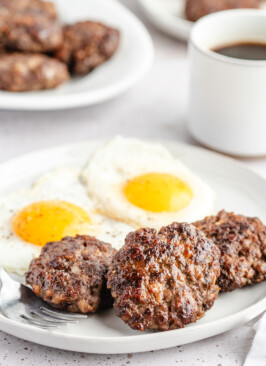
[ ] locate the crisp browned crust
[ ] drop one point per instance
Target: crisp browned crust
(87, 45)
(242, 242)
(164, 280)
(70, 274)
(29, 26)
(196, 9)
(26, 72)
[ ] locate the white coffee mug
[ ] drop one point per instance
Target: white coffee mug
(227, 106)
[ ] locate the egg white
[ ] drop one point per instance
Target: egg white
(61, 184)
(123, 159)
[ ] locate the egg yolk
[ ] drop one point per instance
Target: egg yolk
(45, 221)
(158, 192)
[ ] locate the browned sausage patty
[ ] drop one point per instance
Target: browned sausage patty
(26, 72)
(87, 45)
(242, 242)
(196, 9)
(70, 274)
(164, 280)
(29, 26)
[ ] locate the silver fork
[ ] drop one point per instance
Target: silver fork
(18, 302)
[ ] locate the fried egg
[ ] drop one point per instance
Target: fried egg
(57, 205)
(142, 184)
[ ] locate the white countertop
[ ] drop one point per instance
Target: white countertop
(155, 108)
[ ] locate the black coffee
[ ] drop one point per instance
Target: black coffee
(244, 51)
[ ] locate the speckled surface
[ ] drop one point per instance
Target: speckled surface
(155, 108)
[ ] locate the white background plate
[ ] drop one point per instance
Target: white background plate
(237, 189)
(124, 69)
(169, 16)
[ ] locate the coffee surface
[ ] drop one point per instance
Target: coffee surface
(244, 51)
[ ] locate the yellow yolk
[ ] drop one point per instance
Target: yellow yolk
(45, 221)
(158, 192)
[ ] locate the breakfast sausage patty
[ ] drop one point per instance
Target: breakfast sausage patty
(196, 9)
(87, 45)
(164, 280)
(26, 72)
(242, 242)
(29, 26)
(70, 274)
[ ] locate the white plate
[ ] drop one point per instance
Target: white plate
(237, 189)
(130, 63)
(169, 16)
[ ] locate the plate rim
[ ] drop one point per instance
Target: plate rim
(41, 102)
(229, 321)
(178, 28)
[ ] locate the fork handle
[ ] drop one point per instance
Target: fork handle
(3, 275)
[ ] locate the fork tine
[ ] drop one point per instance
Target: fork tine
(64, 316)
(52, 318)
(39, 323)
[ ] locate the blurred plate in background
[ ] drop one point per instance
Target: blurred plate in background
(169, 16)
(130, 63)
